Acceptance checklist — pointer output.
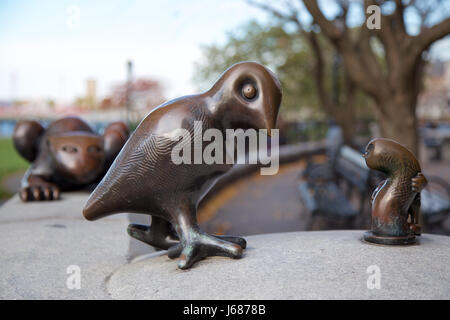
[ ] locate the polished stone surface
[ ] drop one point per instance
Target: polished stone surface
(40, 240)
(297, 265)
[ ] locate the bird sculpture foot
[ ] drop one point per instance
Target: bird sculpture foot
(175, 251)
(157, 237)
(200, 245)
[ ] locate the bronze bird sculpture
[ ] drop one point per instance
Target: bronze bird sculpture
(67, 155)
(396, 201)
(144, 179)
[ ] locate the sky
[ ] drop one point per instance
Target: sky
(48, 48)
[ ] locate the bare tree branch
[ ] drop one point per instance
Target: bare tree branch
(370, 60)
(391, 44)
(319, 73)
(353, 61)
(341, 112)
(327, 26)
(429, 35)
(293, 15)
(399, 18)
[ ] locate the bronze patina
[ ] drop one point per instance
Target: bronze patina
(65, 156)
(396, 200)
(144, 179)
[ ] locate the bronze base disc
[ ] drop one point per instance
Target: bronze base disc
(369, 236)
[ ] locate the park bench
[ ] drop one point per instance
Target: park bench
(327, 189)
(327, 198)
(435, 138)
(435, 204)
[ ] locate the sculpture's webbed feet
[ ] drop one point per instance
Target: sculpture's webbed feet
(175, 251)
(201, 245)
(157, 238)
(39, 192)
(237, 240)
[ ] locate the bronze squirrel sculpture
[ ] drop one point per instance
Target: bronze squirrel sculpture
(144, 179)
(396, 201)
(66, 155)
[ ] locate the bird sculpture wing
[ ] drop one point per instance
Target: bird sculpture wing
(139, 166)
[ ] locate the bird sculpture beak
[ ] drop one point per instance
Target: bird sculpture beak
(270, 123)
(269, 131)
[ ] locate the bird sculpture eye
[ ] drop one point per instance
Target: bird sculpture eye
(249, 91)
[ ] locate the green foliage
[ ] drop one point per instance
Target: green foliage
(10, 162)
(284, 53)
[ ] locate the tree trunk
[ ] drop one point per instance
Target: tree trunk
(347, 111)
(346, 120)
(396, 90)
(398, 120)
(341, 112)
(348, 132)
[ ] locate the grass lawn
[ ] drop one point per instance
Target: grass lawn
(10, 162)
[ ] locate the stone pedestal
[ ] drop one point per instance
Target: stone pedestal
(40, 241)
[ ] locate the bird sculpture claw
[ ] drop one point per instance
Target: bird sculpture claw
(201, 245)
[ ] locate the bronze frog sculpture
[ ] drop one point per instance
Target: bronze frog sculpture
(64, 156)
(144, 179)
(396, 201)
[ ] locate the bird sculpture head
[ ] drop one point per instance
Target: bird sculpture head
(247, 95)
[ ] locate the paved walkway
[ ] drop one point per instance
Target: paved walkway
(257, 204)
